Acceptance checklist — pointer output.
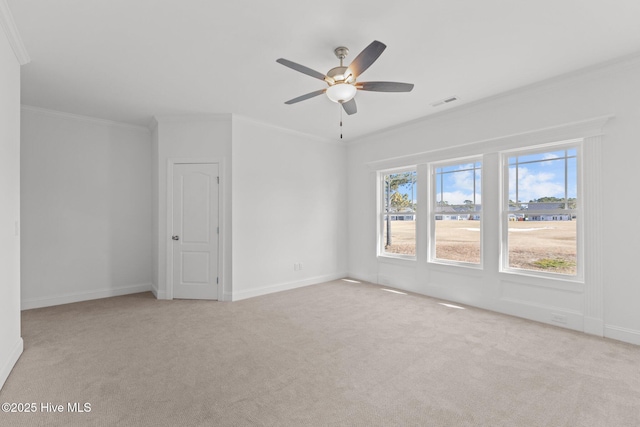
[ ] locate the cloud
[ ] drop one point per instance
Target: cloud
(548, 156)
(459, 186)
(534, 185)
(458, 197)
(463, 180)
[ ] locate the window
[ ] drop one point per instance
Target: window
(541, 210)
(456, 212)
(398, 213)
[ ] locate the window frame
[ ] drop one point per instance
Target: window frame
(431, 211)
(578, 211)
(381, 253)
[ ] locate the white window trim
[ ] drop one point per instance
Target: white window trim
(431, 249)
(381, 254)
(591, 131)
(576, 143)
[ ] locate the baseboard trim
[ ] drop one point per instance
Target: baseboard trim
(237, 296)
(542, 313)
(529, 311)
(627, 335)
(8, 365)
(157, 293)
(593, 326)
(28, 304)
(368, 278)
(406, 283)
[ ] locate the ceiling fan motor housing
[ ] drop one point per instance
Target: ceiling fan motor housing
(340, 75)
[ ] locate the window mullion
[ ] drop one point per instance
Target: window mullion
(551, 247)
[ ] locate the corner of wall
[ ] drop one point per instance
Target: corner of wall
(8, 365)
(12, 55)
(13, 36)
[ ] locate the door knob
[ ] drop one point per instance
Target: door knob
(175, 237)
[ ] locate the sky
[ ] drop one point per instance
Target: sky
(538, 175)
(456, 184)
(543, 175)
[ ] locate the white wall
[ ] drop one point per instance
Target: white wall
(95, 205)
(289, 207)
(86, 208)
(206, 136)
(606, 90)
(10, 340)
(283, 195)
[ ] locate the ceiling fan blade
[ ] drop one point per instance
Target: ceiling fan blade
(306, 96)
(350, 106)
(301, 68)
(385, 86)
(367, 57)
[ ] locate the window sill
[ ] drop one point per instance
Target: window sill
(398, 260)
(569, 283)
(468, 268)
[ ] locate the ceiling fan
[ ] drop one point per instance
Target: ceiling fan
(342, 80)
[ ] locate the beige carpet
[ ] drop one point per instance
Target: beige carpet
(335, 354)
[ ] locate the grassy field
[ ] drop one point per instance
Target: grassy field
(533, 245)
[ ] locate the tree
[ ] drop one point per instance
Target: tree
(571, 201)
(547, 199)
(400, 201)
(393, 183)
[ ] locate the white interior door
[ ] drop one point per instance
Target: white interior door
(195, 231)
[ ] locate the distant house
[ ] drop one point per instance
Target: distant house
(403, 217)
(538, 214)
(547, 206)
(406, 214)
(518, 213)
(457, 213)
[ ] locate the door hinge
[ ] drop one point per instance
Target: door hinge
(218, 178)
(218, 230)
(217, 280)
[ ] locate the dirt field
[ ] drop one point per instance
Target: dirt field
(533, 245)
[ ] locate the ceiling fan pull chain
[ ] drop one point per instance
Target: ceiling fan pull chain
(340, 121)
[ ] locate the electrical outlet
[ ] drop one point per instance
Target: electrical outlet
(297, 266)
(558, 318)
(300, 266)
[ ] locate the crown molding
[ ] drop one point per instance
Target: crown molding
(86, 119)
(582, 129)
(13, 36)
(265, 125)
(195, 117)
(620, 63)
(153, 124)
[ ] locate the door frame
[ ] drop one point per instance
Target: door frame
(171, 162)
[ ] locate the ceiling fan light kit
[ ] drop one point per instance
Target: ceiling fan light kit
(342, 80)
(341, 92)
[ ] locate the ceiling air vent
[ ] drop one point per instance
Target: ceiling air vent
(444, 101)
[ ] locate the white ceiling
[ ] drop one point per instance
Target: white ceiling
(127, 60)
